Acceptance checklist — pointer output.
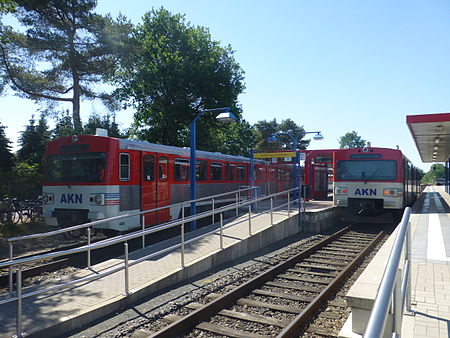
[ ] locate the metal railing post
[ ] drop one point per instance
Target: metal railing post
(250, 219)
(19, 302)
(143, 229)
(221, 230)
(237, 204)
(127, 277)
(289, 204)
(408, 276)
(213, 211)
(397, 304)
(182, 237)
(182, 245)
(10, 269)
(299, 208)
(89, 250)
(271, 211)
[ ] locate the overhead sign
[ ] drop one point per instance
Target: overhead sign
(272, 155)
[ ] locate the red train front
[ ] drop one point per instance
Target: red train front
(369, 181)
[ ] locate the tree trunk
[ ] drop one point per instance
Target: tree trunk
(76, 102)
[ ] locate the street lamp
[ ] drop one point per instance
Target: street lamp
(224, 116)
(273, 139)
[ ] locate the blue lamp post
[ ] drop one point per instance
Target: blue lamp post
(224, 116)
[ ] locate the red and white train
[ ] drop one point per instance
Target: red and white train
(90, 177)
(369, 181)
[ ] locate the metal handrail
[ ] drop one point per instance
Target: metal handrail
(120, 267)
(392, 288)
(89, 224)
(136, 234)
(124, 238)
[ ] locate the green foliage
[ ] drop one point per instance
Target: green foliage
(33, 141)
(26, 181)
(7, 6)
(6, 156)
(64, 51)
(64, 125)
(176, 70)
(351, 140)
(265, 129)
(436, 171)
(105, 122)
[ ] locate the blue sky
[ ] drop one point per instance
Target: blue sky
(333, 66)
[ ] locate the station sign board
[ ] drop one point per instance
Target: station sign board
(273, 155)
(288, 154)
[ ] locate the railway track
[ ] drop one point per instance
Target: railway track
(281, 301)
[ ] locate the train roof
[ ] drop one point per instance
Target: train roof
(147, 146)
(379, 149)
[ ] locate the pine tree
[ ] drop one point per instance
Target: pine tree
(33, 141)
(64, 125)
(6, 156)
(62, 51)
(105, 122)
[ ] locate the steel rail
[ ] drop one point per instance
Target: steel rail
(185, 324)
(293, 328)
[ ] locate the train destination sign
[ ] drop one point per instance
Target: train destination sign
(273, 155)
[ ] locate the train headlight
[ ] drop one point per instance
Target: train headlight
(392, 192)
(340, 191)
(97, 199)
(48, 198)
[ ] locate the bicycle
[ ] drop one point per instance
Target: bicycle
(31, 210)
(9, 211)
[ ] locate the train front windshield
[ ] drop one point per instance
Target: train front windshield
(365, 170)
(73, 168)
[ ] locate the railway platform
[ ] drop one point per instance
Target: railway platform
(430, 273)
(56, 313)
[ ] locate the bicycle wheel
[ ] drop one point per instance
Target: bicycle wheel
(13, 216)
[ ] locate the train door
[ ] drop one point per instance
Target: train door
(163, 188)
(148, 186)
(319, 182)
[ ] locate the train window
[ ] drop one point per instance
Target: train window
(163, 168)
(371, 170)
(216, 171)
(229, 171)
(181, 169)
(324, 159)
(82, 167)
(200, 170)
(272, 174)
(124, 167)
(240, 173)
(149, 168)
(259, 173)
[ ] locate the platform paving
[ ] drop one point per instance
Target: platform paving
(430, 273)
(54, 313)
